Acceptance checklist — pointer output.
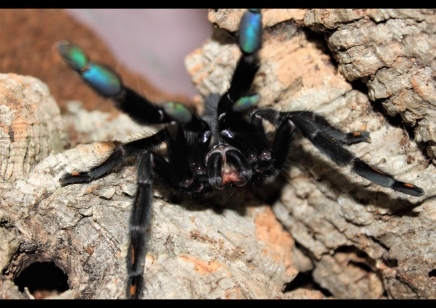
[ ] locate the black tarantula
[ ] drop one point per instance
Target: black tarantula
(225, 146)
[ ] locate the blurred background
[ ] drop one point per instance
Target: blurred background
(151, 42)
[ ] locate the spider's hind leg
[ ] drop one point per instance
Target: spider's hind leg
(344, 138)
(381, 178)
(328, 140)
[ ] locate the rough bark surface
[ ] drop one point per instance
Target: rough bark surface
(363, 241)
(195, 250)
(357, 240)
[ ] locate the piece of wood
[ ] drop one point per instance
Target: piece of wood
(364, 241)
(195, 250)
(357, 240)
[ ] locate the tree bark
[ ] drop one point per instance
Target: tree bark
(195, 250)
(364, 241)
(356, 239)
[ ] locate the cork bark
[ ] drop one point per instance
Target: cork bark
(196, 250)
(358, 68)
(362, 70)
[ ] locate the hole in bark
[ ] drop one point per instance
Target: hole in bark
(361, 265)
(360, 86)
(432, 274)
(349, 255)
(42, 279)
(305, 281)
(392, 262)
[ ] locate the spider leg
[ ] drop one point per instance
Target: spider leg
(344, 138)
(139, 221)
(116, 160)
(176, 173)
(250, 41)
(178, 154)
(246, 135)
(329, 143)
(319, 122)
(177, 177)
(243, 136)
(108, 84)
(271, 162)
(282, 144)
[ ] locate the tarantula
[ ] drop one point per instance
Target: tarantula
(225, 146)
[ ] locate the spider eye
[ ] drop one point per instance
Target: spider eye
(73, 55)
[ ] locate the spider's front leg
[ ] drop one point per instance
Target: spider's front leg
(329, 139)
(108, 84)
(176, 173)
(250, 41)
(116, 160)
(236, 102)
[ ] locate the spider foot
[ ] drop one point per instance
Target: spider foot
(383, 179)
(250, 31)
(408, 188)
(75, 177)
(99, 77)
(356, 137)
(135, 284)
